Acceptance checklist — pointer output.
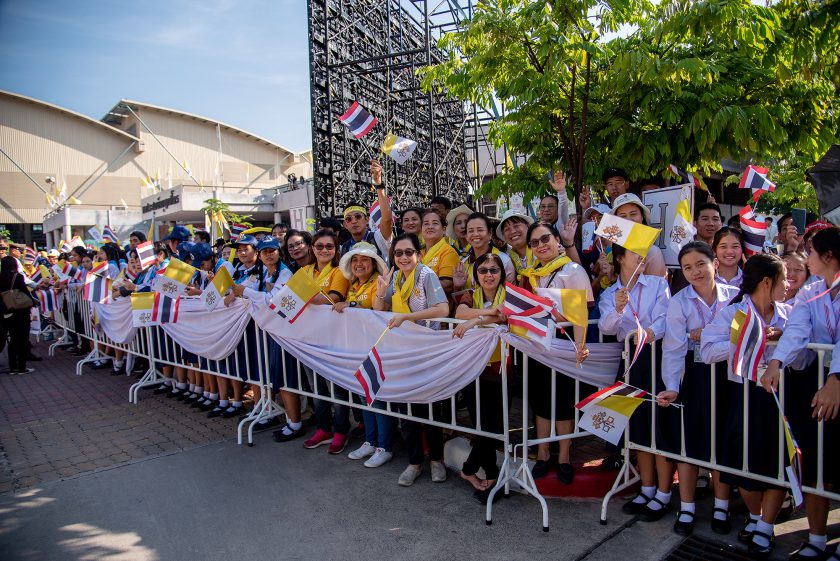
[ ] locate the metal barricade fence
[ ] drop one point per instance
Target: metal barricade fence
(628, 475)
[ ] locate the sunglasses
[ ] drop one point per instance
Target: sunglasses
(324, 247)
(490, 271)
(540, 241)
(406, 252)
(354, 217)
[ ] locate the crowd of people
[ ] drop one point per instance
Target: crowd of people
(451, 261)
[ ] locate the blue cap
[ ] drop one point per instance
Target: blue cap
(199, 252)
(179, 233)
(269, 243)
(245, 240)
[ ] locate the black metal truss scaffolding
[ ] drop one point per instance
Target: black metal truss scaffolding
(369, 51)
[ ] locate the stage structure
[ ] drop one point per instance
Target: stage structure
(369, 51)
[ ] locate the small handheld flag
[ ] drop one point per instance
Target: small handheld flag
(755, 178)
(607, 412)
(529, 315)
(46, 299)
(688, 177)
(165, 309)
(174, 281)
(752, 231)
(398, 148)
(99, 268)
(292, 299)
(682, 230)
(568, 303)
(65, 247)
(215, 291)
(97, 289)
(748, 336)
(236, 230)
(30, 256)
(142, 307)
(358, 120)
(370, 375)
(96, 235)
(634, 237)
(146, 254)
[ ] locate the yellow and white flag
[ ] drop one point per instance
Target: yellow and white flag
(682, 231)
(398, 147)
(142, 309)
(216, 289)
(295, 295)
(173, 283)
(569, 303)
(607, 412)
(634, 237)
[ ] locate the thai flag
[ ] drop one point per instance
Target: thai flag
(37, 276)
(358, 120)
(236, 230)
(521, 302)
(97, 289)
(99, 268)
(166, 309)
(750, 340)
(146, 254)
(65, 247)
(752, 231)
(30, 256)
(370, 375)
(46, 298)
(109, 235)
(641, 341)
(688, 177)
(755, 178)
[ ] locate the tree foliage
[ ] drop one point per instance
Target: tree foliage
(694, 82)
(211, 206)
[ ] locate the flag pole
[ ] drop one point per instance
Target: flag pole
(382, 336)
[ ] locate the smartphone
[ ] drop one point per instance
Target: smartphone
(799, 217)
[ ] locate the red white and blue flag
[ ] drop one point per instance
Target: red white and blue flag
(165, 309)
(146, 254)
(236, 231)
(109, 235)
(358, 120)
(753, 232)
(529, 315)
(46, 299)
(30, 256)
(755, 178)
(688, 177)
(98, 289)
(374, 216)
(748, 336)
(370, 375)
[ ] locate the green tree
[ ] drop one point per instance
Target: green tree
(212, 206)
(692, 83)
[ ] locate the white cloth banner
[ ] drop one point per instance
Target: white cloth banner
(115, 319)
(599, 369)
(420, 365)
(213, 335)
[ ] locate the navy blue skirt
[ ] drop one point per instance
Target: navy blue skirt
(278, 362)
(243, 362)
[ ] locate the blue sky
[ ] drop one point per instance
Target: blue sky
(243, 62)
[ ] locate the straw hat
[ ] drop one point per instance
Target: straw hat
(361, 248)
(452, 215)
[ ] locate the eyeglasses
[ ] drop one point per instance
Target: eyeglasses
(354, 217)
(540, 241)
(406, 252)
(548, 207)
(296, 245)
(490, 271)
(324, 247)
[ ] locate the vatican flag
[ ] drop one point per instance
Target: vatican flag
(634, 237)
(682, 231)
(569, 303)
(216, 289)
(399, 148)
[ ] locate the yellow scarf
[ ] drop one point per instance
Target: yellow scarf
(430, 258)
(530, 261)
(363, 295)
(478, 304)
(402, 292)
(322, 276)
(532, 273)
(469, 270)
(462, 251)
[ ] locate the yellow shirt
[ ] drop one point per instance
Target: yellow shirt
(363, 295)
(333, 281)
(443, 264)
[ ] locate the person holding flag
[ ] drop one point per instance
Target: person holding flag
(730, 336)
(484, 307)
(687, 377)
(638, 303)
(630, 207)
(728, 245)
(554, 269)
(109, 253)
(438, 255)
(414, 293)
(362, 265)
(356, 219)
(815, 318)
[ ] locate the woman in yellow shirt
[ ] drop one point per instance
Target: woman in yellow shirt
(438, 255)
(324, 271)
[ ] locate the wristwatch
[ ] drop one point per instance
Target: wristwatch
(353, 303)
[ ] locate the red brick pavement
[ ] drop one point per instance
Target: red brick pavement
(55, 425)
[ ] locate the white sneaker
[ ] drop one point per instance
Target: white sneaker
(438, 472)
(381, 456)
(409, 475)
(363, 451)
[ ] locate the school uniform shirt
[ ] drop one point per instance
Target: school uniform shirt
(648, 297)
(427, 292)
(269, 285)
(809, 322)
(687, 311)
(735, 281)
(247, 276)
(224, 263)
(714, 341)
(444, 263)
(834, 368)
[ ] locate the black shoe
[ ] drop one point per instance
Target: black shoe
(116, 372)
(540, 468)
(194, 398)
(176, 392)
(100, 366)
(198, 402)
(207, 406)
(162, 389)
(615, 461)
(722, 527)
(216, 411)
(184, 395)
(744, 535)
(761, 551)
(650, 515)
(281, 436)
(634, 507)
(565, 474)
(820, 554)
(270, 424)
(684, 528)
(233, 411)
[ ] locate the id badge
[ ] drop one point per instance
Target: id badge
(697, 355)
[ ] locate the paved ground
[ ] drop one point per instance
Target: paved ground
(86, 476)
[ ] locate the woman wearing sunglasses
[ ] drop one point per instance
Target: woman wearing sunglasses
(554, 269)
(413, 292)
(479, 235)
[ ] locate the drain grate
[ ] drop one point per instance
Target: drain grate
(699, 549)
